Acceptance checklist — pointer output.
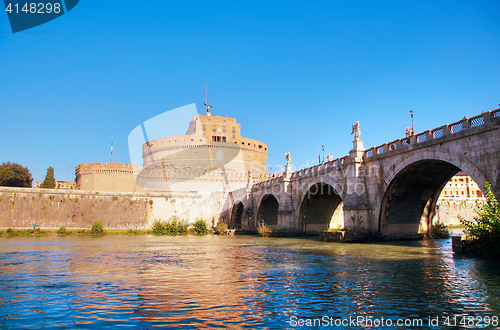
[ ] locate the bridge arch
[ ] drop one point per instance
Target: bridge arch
(305, 186)
(235, 220)
(413, 185)
(320, 207)
(268, 210)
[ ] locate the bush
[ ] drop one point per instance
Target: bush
(222, 228)
(263, 229)
(97, 228)
(182, 227)
(200, 226)
(12, 232)
(171, 228)
(158, 227)
(62, 231)
(440, 230)
(484, 231)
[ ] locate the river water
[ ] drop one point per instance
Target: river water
(241, 282)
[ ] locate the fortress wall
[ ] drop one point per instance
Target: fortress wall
(448, 210)
(54, 208)
(107, 177)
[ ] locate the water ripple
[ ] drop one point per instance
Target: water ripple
(233, 282)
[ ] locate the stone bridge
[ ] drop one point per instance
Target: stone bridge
(392, 188)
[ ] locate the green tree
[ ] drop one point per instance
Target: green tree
(484, 230)
(15, 175)
(50, 181)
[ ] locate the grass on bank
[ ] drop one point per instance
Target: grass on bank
(24, 232)
(172, 228)
(11, 232)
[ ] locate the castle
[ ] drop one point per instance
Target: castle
(211, 157)
(197, 169)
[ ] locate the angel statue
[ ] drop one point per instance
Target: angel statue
(356, 130)
(288, 158)
(207, 107)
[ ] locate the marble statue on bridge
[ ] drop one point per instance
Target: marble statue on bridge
(356, 130)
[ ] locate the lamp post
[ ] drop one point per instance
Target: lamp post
(412, 128)
(323, 147)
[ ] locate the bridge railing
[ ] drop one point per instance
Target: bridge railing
(304, 172)
(452, 128)
(441, 131)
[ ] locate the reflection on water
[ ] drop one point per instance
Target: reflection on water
(233, 282)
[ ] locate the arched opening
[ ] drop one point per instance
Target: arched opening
(321, 208)
(409, 202)
(236, 215)
(268, 211)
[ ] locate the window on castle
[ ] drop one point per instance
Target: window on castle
(213, 128)
(203, 127)
(224, 129)
(234, 130)
(216, 138)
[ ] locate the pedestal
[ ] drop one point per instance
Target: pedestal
(357, 150)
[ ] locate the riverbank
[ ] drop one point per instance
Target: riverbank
(12, 232)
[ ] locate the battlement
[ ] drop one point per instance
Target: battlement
(204, 131)
(106, 167)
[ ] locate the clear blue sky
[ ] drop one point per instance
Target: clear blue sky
(295, 74)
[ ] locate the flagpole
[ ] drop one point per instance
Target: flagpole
(111, 150)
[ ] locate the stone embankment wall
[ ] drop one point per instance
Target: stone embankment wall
(54, 208)
(448, 210)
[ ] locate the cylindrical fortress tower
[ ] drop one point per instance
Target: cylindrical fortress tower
(212, 156)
